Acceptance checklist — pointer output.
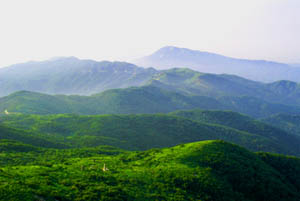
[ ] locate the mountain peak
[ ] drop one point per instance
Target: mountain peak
(177, 51)
(169, 48)
(259, 70)
(63, 58)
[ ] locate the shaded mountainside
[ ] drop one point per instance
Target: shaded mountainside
(29, 137)
(141, 132)
(207, 170)
(259, 70)
(242, 123)
(289, 123)
(256, 107)
(71, 76)
(16, 146)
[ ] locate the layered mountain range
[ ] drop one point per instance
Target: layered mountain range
(74, 129)
(85, 77)
(148, 90)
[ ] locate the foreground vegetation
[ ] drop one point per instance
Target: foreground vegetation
(207, 170)
(66, 157)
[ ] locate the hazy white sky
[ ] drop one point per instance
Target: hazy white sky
(127, 29)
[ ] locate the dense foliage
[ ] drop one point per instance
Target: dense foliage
(208, 170)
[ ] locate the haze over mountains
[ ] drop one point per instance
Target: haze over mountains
(259, 70)
(74, 129)
(69, 75)
(154, 91)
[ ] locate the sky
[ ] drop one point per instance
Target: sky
(125, 30)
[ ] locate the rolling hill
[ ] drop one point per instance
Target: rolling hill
(146, 99)
(136, 100)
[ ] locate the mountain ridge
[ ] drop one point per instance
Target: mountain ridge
(136, 100)
(71, 76)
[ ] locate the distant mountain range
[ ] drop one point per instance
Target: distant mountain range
(259, 70)
(71, 76)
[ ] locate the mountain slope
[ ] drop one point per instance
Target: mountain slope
(259, 70)
(71, 76)
(192, 82)
(141, 132)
